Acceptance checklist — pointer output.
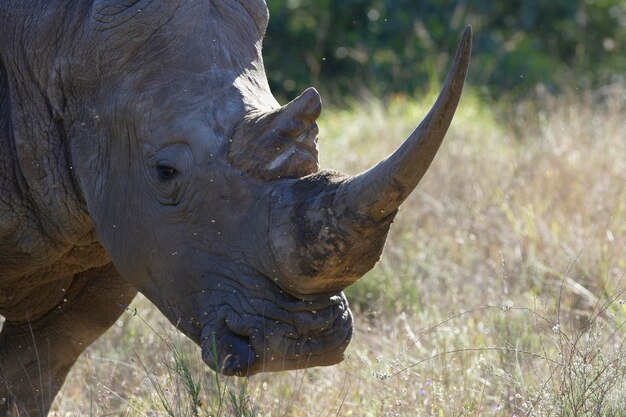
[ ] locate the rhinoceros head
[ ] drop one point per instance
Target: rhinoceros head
(207, 194)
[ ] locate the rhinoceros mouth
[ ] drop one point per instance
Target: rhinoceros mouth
(253, 331)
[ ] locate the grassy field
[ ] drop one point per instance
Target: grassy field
(500, 292)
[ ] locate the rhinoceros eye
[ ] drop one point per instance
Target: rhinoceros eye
(166, 172)
(169, 173)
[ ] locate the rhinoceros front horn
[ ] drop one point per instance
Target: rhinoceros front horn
(336, 230)
(380, 190)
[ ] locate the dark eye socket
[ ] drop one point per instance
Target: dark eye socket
(166, 172)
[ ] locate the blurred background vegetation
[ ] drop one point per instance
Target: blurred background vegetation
(383, 47)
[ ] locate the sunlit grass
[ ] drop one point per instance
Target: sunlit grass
(499, 292)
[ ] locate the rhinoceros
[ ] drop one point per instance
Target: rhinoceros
(142, 150)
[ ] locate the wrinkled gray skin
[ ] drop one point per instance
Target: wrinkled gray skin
(141, 150)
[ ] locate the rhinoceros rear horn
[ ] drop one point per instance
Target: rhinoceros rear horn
(281, 143)
(379, 191)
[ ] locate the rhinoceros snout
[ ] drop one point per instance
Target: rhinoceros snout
(283, 335)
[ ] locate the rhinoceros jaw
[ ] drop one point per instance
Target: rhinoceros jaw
(255, 327)
(237, 361)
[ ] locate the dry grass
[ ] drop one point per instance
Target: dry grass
(499, 293)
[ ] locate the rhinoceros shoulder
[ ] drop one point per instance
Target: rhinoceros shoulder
(34, 248)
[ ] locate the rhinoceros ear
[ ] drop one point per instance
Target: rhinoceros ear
(279, 144)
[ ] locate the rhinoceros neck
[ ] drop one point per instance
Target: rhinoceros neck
(43, 217)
